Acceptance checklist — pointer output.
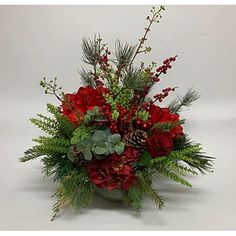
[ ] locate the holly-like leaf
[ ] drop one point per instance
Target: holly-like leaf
(119, 147)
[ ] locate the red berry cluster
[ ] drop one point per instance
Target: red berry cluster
(97, 81)
(142, 124)
(125, 117)
(103, 60)
(105, 110)
(166, 65)
(164, 94)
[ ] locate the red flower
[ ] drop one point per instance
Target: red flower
(129, 181)
(159, 144)
(113, 172)
(79, 103)
(158, 114)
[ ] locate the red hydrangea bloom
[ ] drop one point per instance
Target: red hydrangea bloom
(79, 103)
(159, 144)
(158, 114)
(115, 171)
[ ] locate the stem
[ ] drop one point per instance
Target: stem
(144, 38)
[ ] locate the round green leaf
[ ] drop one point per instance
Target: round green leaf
(114, 138)
(119, 147)
(87, 155)
(99, 135)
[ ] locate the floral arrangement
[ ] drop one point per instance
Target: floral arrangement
(110, 137)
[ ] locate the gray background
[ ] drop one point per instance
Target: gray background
(38, 41)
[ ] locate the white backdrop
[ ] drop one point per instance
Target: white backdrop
(38, 41)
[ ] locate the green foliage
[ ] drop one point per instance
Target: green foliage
(136, 80)
(93, 115)
(66, 128)
(87, 78)
(80, 133)
(142, 114)
(47, 124)
(145, 159)
(145, 183)
(74, 190)
(167, 126)
(183, 101)
(92, 49)
(143, 187)
(101, 142)
(181, 162)
(52, 88)
(124, 54)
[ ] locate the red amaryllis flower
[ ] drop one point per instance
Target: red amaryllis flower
(77, 104)
(159, 144)
(158, 114)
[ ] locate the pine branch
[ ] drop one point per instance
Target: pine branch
(74, 190)
(183, 101)
(146, 185)
(123, 54)
(92, 49)
(30, 154)
(87, 78)
(167, 126)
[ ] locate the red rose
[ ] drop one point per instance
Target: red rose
(79, 103)
(159, 144)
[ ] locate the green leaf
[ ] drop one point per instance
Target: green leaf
(70, 154)
(114, 138)
(110, 147)
(87, 155)
(99, 135)
(81, 146)
(119, 147)
(100, 148)
(145, 159)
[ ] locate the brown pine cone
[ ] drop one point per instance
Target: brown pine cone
(136, 139)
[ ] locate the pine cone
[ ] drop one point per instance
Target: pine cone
(136, 139)
(79, 157)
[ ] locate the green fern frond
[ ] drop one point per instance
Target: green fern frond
(52, 145)
(46, 124)
(66, 128)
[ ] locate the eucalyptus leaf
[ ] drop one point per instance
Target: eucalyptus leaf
(87, 155)
(70, 154)
(119, 147)
(100, 148)
(99, 135)
(81, 145)
(114, 138)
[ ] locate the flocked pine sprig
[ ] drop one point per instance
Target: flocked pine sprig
(184, 101)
